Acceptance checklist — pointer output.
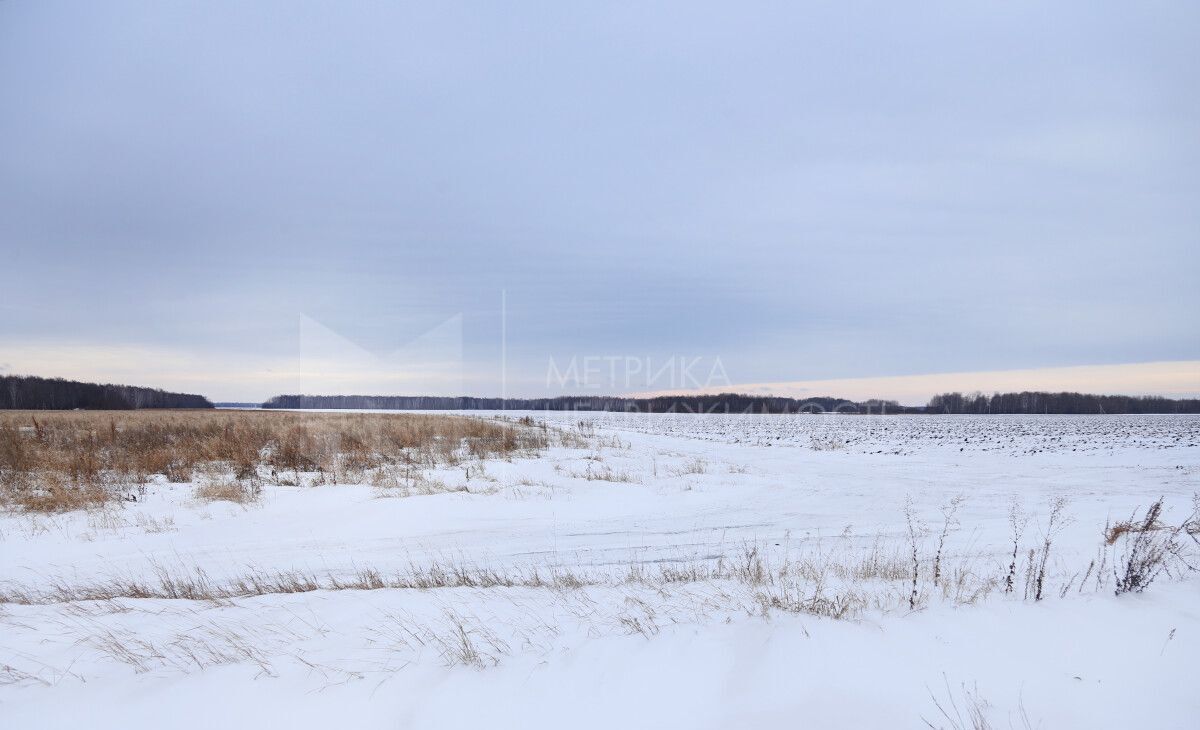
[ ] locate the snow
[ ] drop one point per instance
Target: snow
(616, 653)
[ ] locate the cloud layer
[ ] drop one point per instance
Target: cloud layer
(805, 191)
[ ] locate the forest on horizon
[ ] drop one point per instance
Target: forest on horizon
(1029, 402)
(37, 393)
(29, 392)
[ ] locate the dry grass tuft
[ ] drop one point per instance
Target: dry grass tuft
(408, 482)
(1152, 548)
(974, 713)
(55, 492)
(222, 489)
(691, 466)
(1130, 527)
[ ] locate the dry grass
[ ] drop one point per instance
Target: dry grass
(691, 466)
(1131, 527)
(836, 582)
(1152, 548)
(226, 489)
(62, 461)
(972, 711)
(597, 470)
(210, 644)
(460, 640)
(842, 580)
(55, 492)
(407, 481)
(605, 473)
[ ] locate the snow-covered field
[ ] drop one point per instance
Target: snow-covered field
(676, 571)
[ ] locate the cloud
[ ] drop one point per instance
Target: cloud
(808, 191)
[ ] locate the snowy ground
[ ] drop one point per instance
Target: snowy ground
(602, 638)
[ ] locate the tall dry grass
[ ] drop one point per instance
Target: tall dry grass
(60, 461)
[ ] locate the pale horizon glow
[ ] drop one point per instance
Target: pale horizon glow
(248, 379)
(336, 373)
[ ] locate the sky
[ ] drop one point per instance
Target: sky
(246, 199)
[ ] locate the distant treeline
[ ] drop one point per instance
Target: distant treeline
(973, 403)
(723, 403)
(33, 393)
(1060, 403)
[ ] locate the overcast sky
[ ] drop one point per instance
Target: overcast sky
(242, 199)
